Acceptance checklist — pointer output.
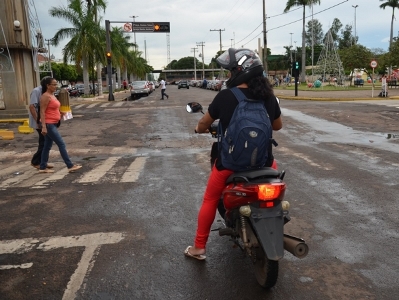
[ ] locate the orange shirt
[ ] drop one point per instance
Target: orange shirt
(53, 114)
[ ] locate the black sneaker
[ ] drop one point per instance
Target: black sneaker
(167, 97)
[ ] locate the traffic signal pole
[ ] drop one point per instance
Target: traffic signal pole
(109, 60)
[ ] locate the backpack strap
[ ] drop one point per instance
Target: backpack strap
(238, 94)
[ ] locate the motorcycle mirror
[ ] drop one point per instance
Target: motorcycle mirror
(194, 107)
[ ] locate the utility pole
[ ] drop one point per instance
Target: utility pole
(355, 6)
(264, 39)
(195, 67)
(220, 36)
(49, 59)
(202, 44)
(291, 53)
(134, 20)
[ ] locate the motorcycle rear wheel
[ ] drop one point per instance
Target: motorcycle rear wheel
(266, 271)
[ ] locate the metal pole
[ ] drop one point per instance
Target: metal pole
(355, 6)
(220, 37)
(264, 39)
(49, 58)
(195, 67)
(134, 20)
(203, 70)
(109, 64)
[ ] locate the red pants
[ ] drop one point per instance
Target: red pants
(213, 192)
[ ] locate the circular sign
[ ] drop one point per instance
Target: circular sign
(127, 27)
(373, 64)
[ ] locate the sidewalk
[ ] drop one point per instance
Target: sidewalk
(349, 95)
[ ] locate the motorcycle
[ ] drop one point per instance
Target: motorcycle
(254, 213)
(74, 92)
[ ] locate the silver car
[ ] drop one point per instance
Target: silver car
(139, 88)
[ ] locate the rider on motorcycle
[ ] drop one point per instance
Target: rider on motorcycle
(246, 73)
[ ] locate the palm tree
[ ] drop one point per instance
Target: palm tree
(86, 35)
(290, 4)
(394, 4)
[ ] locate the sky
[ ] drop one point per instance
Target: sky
(237, 22)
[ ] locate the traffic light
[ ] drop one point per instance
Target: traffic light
(162, 27)
(104, 70)
(295, 69)
(113, 71)
(108, 54)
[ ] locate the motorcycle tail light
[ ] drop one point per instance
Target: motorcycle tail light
(266, 204)
(270, 191)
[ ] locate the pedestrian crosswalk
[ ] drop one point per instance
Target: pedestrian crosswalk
(118, 165)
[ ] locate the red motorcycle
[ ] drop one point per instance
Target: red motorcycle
(254, 213)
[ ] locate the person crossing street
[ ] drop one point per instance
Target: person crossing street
(163, 88)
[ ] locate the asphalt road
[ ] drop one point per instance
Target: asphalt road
(117, 228)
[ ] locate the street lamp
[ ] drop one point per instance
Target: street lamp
(49, 57)
(134, 21)
(355, 6)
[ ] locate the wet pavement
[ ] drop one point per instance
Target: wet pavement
(117, 229)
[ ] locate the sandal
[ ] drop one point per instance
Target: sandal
(198, 256)
(74, 168)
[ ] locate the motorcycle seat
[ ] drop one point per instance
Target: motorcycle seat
(250, 175)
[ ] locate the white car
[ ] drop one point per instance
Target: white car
(138, 89)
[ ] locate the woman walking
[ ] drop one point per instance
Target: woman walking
(50, 117)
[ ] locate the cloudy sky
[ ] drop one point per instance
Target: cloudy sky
(240, 22)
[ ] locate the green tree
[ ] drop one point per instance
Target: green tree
(86, 35)
(355, 57)
(317, 34)
(335, 29)
(290, 4)
(346, 39)
(393, 4)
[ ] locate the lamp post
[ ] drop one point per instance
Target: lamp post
(134, 21)
(49, 58)
(355, 6)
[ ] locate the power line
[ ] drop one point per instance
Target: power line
(288, 23)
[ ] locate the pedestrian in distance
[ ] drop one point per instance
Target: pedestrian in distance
(34, 106)
(124, 83)
(163, 88)
(247, 75)
(50, 117)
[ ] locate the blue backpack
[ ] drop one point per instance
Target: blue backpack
(246, 142)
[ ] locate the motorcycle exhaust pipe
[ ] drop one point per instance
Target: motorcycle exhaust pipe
(295, 246)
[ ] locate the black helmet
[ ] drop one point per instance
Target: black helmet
(243, 64)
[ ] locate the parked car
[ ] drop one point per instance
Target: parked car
(151, 85)
(138, 89)
(183, 84)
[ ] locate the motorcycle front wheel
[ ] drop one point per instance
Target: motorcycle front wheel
(266, 271)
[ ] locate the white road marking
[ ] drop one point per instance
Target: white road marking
(22, 266)
(18, 178)
(50, 178)
(91, 242)
(105, 104)
(132, 173)
(117, 104)
(91, 105)
(79, 106)
(98, 172)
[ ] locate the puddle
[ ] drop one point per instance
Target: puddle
(332, 132)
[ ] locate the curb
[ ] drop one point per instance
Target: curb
(334, 99)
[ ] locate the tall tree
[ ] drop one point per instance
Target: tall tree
(86, 36)
(346, 39)
(317, 33)
(335, 28)
(290, 4)
(394, 4)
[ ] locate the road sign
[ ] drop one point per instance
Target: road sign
(127, 27)
(151, 27)
(373, 64)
